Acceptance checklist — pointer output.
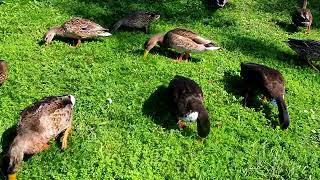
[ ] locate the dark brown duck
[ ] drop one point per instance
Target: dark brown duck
(187, 100)
(303, 17)
(268, 81)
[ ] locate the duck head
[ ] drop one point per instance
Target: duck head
(151, 42)
(198, 113)
(15, 157)
(51, 33)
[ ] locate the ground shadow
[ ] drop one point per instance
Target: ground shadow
(166, 53)
(71, 42)
(257, 48)
(233, 84)
(159, 108)
(288, 27)
(6, 139)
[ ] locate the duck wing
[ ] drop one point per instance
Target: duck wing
(49, 116)
(190, 35)
(82, 28)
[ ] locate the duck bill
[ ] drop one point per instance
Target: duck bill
(146, 52)
(12, 176)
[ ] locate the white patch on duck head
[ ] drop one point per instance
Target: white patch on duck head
(191, 117)
(72, 99)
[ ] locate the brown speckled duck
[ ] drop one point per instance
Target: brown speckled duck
(77, 28)
(182, 40)
(187, 99)
(3, 71)
(268, 81)
(303, 17)
(139, 20)
(39, 123)
(308, 50)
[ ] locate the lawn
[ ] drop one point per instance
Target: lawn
(133, 138)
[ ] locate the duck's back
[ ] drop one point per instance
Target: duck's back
(304, 46)
(81, 28)
(263, 77)
(139, 19)
(48, 117)
(181, 87)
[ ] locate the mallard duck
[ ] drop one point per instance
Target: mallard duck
(307, 50)
(303, 17)
(3, 71)
(187, 99)
(139, 20)
(77, 28)
(219, 3)
(39, 123)
(182, 40)
(269, 82)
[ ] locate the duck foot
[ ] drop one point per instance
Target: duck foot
(181, 124)
(78, 43)
(64, 138)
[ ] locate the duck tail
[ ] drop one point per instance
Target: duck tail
(211, 47)
(283, 112)
(104, 34)
(116, 25)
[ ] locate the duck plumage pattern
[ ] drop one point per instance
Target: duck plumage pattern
(139, 20)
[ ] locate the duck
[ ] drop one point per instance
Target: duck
(3, 71)
(220, 3)
(268, 81)
(187, 101)
(38, 123)
(182, 40)
(308, 50)
(303, 17)
(77, 28)
(139, 20)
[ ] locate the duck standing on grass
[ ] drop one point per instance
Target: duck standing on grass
(269, 82)
(3, 71)
(303, 17)
(182, 40)
(39, 123)
(187, 100)
(139, 20)
(77, 28)
(307, 50)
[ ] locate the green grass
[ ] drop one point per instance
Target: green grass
(124, 140)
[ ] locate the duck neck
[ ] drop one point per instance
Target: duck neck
(15, 154)
(304, 4)
(158, 38)
(59, 31)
